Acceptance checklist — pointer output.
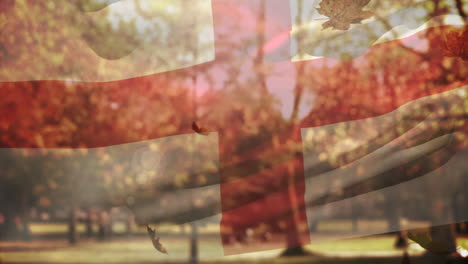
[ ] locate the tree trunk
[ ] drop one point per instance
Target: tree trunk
(72, 226)
(194, 244)
(355, 212)
(102, 223)
(393, 214)
(293, 239)
(26, 231)
(401, 240)
(89, 225)
(459, 200)
(129, 225)
(24, 192)
(9, 229)
(393, 210)
(101, 234)
(110, 225)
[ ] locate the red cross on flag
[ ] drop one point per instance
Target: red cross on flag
(345, 118)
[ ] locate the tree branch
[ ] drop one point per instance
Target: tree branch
(461, 12)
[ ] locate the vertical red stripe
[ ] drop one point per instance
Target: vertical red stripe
(270, 207)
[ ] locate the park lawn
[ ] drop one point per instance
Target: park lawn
(367, 225)
(376, 249)
(52, 228)
(372, 226)
(113, 251)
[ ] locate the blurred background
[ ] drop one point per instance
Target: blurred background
(96, 113)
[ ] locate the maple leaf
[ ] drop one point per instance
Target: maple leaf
(199, 130)
(155, 239)
(343, 13)
(455, 45)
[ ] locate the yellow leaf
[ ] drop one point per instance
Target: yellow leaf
(343, 13)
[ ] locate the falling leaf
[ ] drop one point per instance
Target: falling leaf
(455, 45)
(199, 130)
(343, 13)
(155, 239)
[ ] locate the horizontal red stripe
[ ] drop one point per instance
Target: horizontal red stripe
(82, 114)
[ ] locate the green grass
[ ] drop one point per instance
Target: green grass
(367, 225)
(116, 251)
(359, 250)
(118, 227)
(374, 226)
(376, 249)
